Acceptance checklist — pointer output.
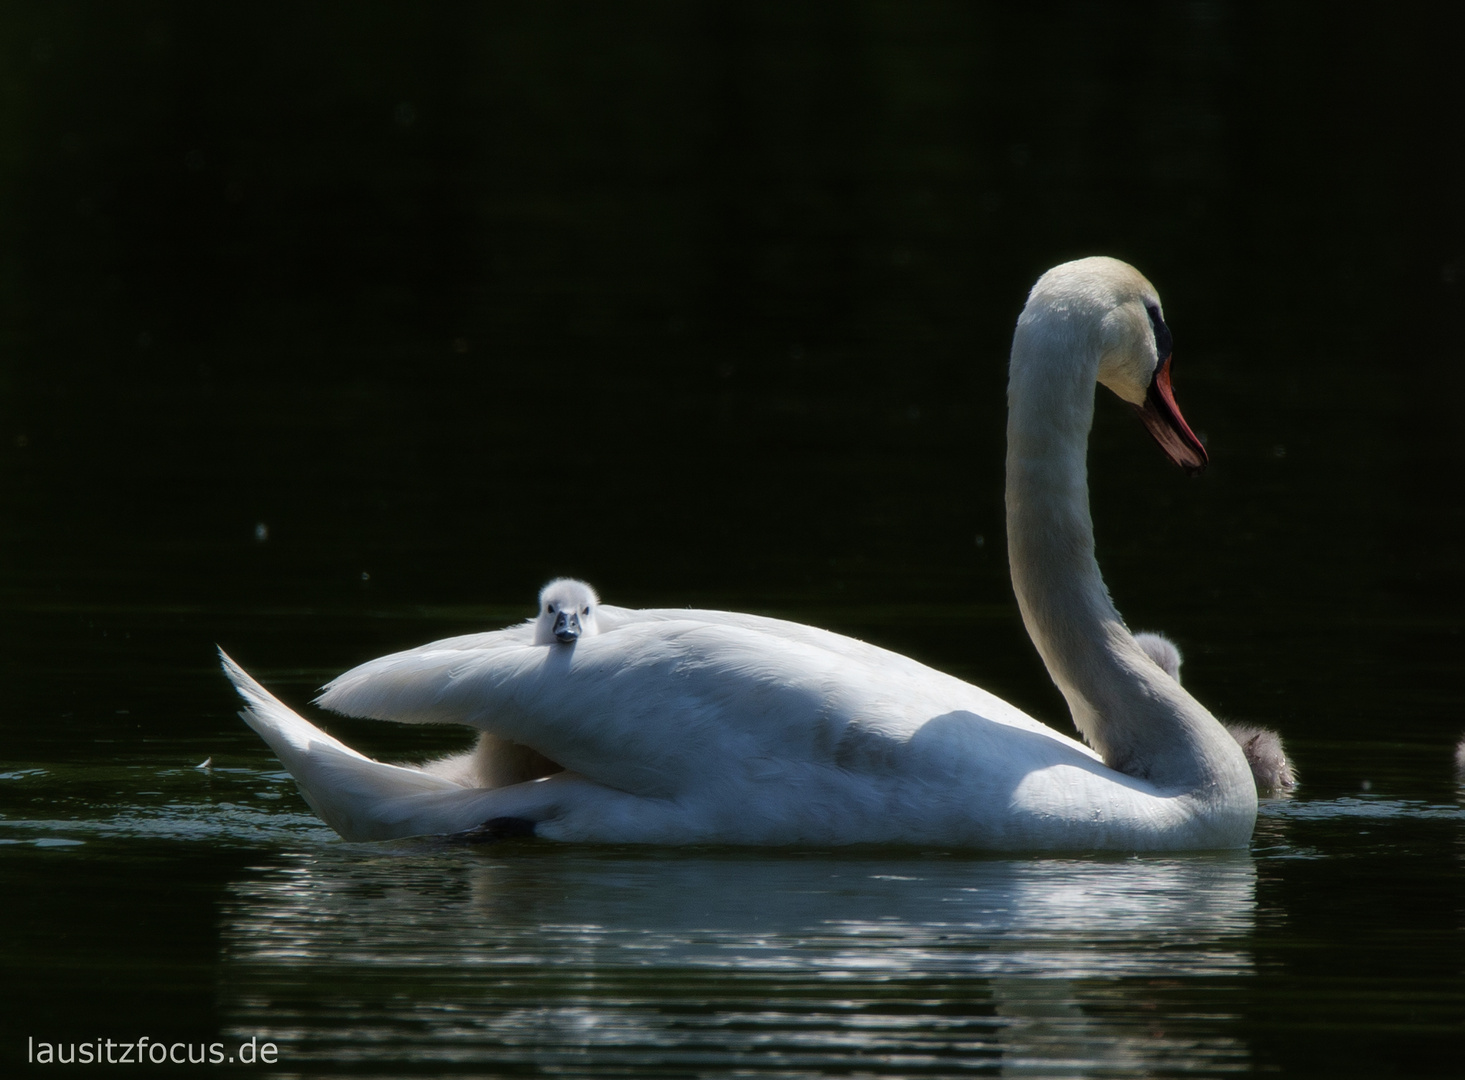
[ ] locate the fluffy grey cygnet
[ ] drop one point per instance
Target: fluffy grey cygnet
(567, 611)
(1269, 762)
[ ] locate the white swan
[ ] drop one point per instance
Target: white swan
(1271, 768)
(712, 727)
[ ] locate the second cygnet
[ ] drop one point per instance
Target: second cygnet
(1270, 765)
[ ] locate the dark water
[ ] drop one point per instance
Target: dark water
(329, 331)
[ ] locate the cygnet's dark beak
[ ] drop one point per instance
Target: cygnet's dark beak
(566, 627)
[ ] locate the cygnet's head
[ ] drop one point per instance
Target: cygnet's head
(567, 611)
(1270, 766)
(1162, 651)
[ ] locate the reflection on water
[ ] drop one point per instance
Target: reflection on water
(233, 807)
(424, 957)
(783, 963)
(1354, 807)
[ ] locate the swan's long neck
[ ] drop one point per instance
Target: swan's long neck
(1134, 715)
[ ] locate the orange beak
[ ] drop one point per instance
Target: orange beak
(1162, 417)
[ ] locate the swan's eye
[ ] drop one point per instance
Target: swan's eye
(1164, 344)
(585, 610)
(549, 609)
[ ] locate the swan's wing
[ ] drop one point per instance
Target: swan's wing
(774, 629)
(656, 705)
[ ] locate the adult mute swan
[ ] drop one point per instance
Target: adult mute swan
(680, 726)
(1271, 768)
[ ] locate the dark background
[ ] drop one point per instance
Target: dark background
(332, 308)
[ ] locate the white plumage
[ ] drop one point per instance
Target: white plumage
(677, 726)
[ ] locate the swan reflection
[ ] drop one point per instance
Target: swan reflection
(424, 955)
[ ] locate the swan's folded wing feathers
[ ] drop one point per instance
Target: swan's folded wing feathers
(425, 685)
(642, 708)
(652, 706)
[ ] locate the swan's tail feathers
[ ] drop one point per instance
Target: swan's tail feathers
(360, 798)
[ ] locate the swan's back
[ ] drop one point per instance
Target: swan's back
(735, 728)
(657, 694)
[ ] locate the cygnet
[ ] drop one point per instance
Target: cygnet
(567, 611)
(1269, 763)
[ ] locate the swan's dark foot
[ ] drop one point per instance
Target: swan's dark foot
(499, 828)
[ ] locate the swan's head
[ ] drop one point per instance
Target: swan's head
(1116, 313)
(567, 610)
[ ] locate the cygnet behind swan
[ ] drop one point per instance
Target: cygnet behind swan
(1162, 651)
(567, 612)
(1270, 766)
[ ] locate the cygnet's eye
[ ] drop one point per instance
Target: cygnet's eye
(585, 610)
(549, 609)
